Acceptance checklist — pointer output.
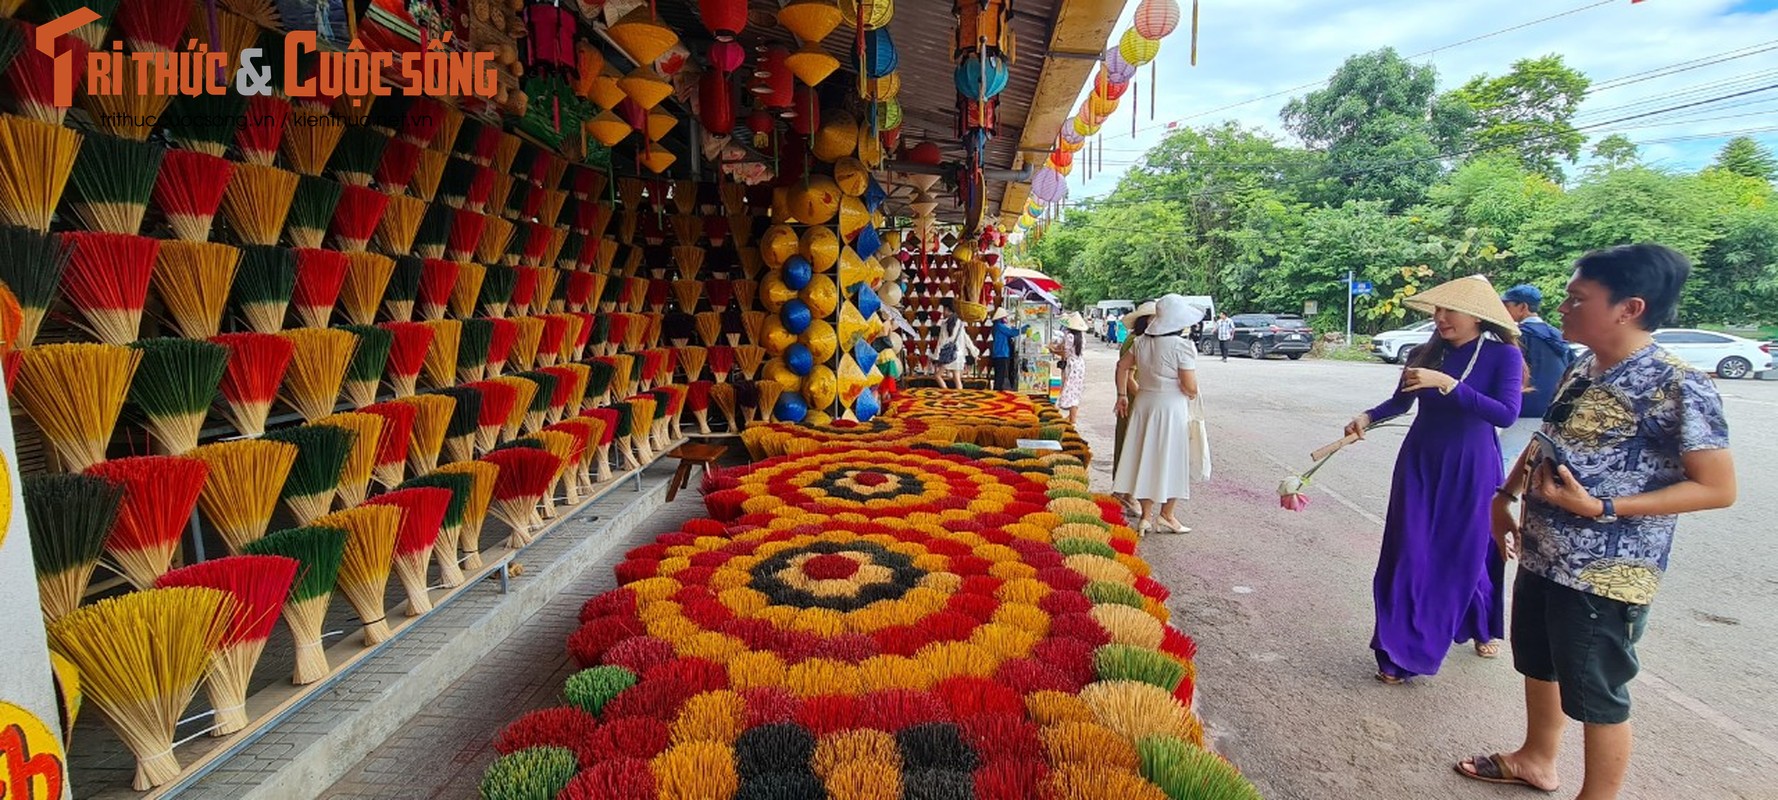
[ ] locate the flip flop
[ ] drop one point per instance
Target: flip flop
(1494, 769)
(1488, 649)
(1390, 680)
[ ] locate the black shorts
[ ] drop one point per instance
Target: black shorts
(1584, 643)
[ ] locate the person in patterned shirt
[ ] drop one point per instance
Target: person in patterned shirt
(1643, 439)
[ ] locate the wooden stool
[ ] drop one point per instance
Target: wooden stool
(704, 455)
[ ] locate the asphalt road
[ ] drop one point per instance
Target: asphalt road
(1280, 605)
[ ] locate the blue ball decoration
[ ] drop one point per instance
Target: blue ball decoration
(865, 355)
(866, 299)
(866, 406)
(798, 272)
(798, 358)
(796, 316)
(791, 408)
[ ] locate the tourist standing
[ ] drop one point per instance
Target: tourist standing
(1644, 440)
(1155, 467)
(1438, 576)
(1004, 352)
(1071, 351)
(955, 349)
(1136, 322)
(1225, 333)
(1547, 358)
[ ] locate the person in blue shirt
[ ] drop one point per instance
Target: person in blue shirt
(1003, 353)
(1547, 359)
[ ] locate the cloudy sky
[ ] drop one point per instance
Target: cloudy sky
(1251, 49)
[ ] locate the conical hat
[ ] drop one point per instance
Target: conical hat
(773, 293)
(778, 245)
(822, 247)
(1473, 295)
(822, 340)
(851, 379)
(815, 202)
(852, 324)
(822, 295)
(774, 337)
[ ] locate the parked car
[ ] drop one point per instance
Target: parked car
(1261, 335)
(1730, 357)
(1393, 346)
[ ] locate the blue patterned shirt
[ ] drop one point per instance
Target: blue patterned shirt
(1625, 436)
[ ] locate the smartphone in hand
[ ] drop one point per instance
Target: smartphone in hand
(1547, 451)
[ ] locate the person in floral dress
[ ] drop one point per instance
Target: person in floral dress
(1071, 349)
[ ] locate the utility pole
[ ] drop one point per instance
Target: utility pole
(1350, 276)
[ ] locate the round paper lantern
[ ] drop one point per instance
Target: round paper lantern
(1061, 161)
(1048, 185)
(1026, 220)
(925, 153)
(1121, 71)
(880, 55)
(867, 407)
(641, 36)
(877, 13)
(799, 358)
(810, 20)
(980, 78)
(889, 113)
(811, 64)
(773, 294)
(796, 316)
(725, 18)
(821, 246)
(1156, 18)
(805, 118)
(1104, 85)
(816, 201)
(1085, 128)
(1136, 49)
(883, 88)
(1070, 139)
(726, 56)
(716, 106)
(837, 139)
(1101, 106)
(797, 273)
(777, 245)
(780, 373)
(822, 387)
(790, 408)
(822, 340)
(822, 295)
(778, 87)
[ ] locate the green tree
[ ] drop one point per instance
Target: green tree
(1383, 126)
(1494, 194)
(1744, 156)
(1360, 236)
(1528, 113)
(1616, 152)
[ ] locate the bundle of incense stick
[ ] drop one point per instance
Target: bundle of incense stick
(140, 657)
(753, 323)
(422, 515)
(260, 584)
(624, 432)
(69, 517)
(692, 360)
(525, 347)
(371, 533)
(525, 475)
(227, 32)
(318, 552)
(74, 393)
(697, 398)
(392, 448)
(460, 486)
(546, 299)
(246, 477)
(433, 231)
(407, 354)
(365, 374)
(549, 339)
(607, 420)
(723, 396)
(497, 233)
(257, 201)
(322, 452)
(502, 339)
(579, 377)
(560, 392)
(535, 415)
(307, 148)
(600, 374)
(623, 376)
(560, 444)
(428, 174)
(159, 495)
(395, 172)
(472, 349)
(399, 225)
(106, 280)
(480, 495)
(441, 357)
(132, 112)
(361, 461)
(357, 155)
(721, 292)
(455, 187)
(193, 280)
(600, 335)
(255, 371)
(438, 278)
(175, 382)
(524, 290)
(31, 77)
(33, 270)
(264, 283)
(460, 431)
(580, 290)
(521, 406)
(421, 123)
(468, 288)
(205, 124)
(497, 286)
(152, 27)
(497, 400)
(320, 274)
(432, 419)
(580, 330)
(645, 410)
(579, 475)
(317, 369)
(356, 217)
(403, 289)
(687, 293)
(367, 276)
(676, 396)
(311, 211)
(635, 296)
(722, 362)
(113, 179)
(465, 235)
(769, 392)
(749, 357)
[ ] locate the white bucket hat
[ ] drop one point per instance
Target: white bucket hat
(1173, 314)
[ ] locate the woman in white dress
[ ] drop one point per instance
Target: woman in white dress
(1071, 349)
(955, 348)
(1155, 467)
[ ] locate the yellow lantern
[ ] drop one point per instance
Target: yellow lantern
(1101, 105)
(821, 246)
(837, 139)
(642, 37)
(1136, 49)
(1085, 128)
(810, 20)
(822, 387)
(883, 88)
(822, 296)
(816, 201)
(778, 245)
(877, 13)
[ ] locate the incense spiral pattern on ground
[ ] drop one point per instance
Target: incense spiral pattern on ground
(881, 622)
(780, 438)
(990, 419)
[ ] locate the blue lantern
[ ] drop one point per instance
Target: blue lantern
(865, 355)
(796, 316)
(866, 406)
(867, 301)
(798, 358)
(791, 407)
(979, 78)
(867, 242)
(797, 272)
(880, 56)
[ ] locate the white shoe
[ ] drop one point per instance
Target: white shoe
(1165, 525)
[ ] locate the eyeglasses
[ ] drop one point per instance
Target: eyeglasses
(1563, 407)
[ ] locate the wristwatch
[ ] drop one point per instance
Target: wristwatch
(1608, 514)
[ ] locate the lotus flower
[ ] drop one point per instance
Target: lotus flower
(1290, 490)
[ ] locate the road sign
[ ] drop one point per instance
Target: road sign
(1362, 287)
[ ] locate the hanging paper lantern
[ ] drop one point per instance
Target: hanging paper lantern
(1136, 49)
(1104, 85)
(642, 37)
(926, 153)
(889, 113)
(1048, 185)
(981, 78)
(1070, 139)
(1026, 221)
(880, 55)
(883, 88)
(1156, 18)
(812, 65)
(797, 273)
(726, 57)
(810, 20)
(779, 81)
(725, 18)
(804, 114)
(1101, 106)
(716, 107)
(877, 13)
(1061, 161)
(1121, 71)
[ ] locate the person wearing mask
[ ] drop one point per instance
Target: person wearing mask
(1547, 358)
(1225, 333)
(1635, 438)
(1071, 350)
(1155, 467)
(1439, 574)
(1003, 352)
(1137, 323)
(956, 351)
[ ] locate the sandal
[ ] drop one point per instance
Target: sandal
(1488, 649)
(1390, 680)
(1494, 769)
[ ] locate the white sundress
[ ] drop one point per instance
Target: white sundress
(1156, 465)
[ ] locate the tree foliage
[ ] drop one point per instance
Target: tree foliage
(1744, 156)
(1528, 113)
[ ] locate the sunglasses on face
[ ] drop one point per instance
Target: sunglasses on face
(1563, 407)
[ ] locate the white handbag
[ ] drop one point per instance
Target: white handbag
(1200, 442)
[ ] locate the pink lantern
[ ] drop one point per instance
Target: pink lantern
(726, 56)
(1156, 18)
(1072, 137)
(1048, 185)
(1116, 67)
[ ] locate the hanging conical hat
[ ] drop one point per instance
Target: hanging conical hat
(778, 245)
(645, 87)
(811, 65)
(816, 201)
(641, 36)
(660, 123)
(883, 88)
(605, 92)
(923, 204)
(607, 128)
(870, 150)
(837, 139)
(810, 20)
(856, 269)
(922, 183)
(821, 246)
(822, 295)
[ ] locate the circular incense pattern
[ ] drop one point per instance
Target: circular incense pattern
(779, 439)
